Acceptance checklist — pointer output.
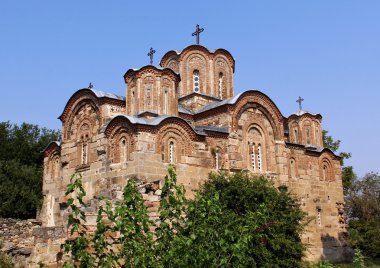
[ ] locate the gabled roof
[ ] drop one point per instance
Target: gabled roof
(183, 110)
(215, 104)
(235, 99)
(198, 94)
(96, 93)
(102, 94)
(312, 148)
(204, 129)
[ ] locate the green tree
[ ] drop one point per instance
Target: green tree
(363, 209)
(242, 221)
(234, 221)
(21, 168)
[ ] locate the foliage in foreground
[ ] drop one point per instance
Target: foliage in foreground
(21, 168)
(234, 221)
(363, 209)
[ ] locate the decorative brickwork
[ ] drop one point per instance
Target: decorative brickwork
(109, 143)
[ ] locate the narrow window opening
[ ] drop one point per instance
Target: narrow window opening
(166, 102)
(162, 152)
(217, 159)
(221, 85)
(259, 158)
(317, 136)
(256, 160)
(196, 81)
(148, 98)
(292, 169)
(84, 152)
(253, 157)
(319, 219)
(123, 151)
(296, 135)
(56, 168)
(171, 152)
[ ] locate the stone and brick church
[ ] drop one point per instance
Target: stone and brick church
(184, 113)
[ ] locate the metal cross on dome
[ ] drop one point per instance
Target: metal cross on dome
(300, 100)
(197, 32)
(150, 54)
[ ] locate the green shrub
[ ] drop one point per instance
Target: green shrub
(234, 221)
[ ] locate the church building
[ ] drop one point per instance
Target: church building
(184, 113)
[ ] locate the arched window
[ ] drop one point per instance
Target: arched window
(292, 168)
(133, 104)
(217, 159)
(220, 86)
(319, 217)
(259, 165)
(148, 98)
(326, 170)
(123, 150)
(171, 152)
(308, 135)
(296, 136)
(317, 136)
(84, 145)
(253, 156)
(256, 150)
(56, 167)
(166, 102)
(196, 81)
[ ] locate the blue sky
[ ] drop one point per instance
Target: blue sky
(326, 51)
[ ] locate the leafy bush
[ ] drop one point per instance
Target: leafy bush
(323, 264)
(241, 220)
(234, 221)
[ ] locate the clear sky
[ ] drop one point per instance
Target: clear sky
(326, 51)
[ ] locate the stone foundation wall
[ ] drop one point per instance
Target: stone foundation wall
(48, 241)
(16, 239)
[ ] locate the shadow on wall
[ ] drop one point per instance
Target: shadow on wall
(336, 250)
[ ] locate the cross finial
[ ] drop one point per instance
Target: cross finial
(90, 85)
(197, 32)
(300, 100)
(150, 54)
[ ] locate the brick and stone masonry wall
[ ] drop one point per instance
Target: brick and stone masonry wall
(16, 238)
(48, 240)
